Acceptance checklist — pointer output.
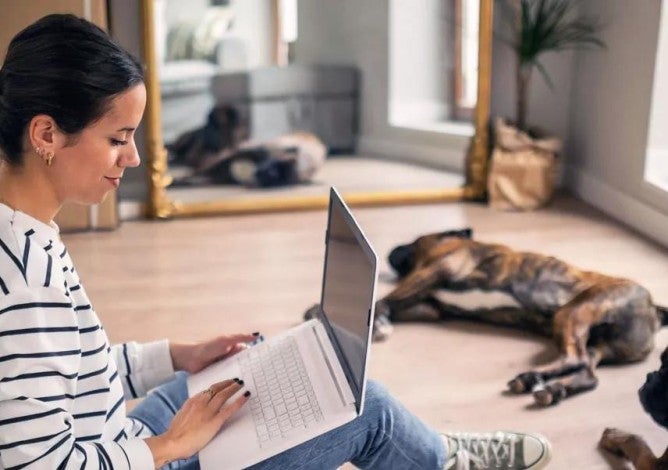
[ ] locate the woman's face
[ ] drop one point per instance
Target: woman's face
(86, 170)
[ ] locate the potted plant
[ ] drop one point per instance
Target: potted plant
(523, 167)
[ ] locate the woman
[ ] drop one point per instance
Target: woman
(70, 102)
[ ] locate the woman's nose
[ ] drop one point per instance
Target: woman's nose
(129, 158)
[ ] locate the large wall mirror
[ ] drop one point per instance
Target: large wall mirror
(259, 105)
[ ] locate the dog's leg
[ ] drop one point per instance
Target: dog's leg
(571, 330)
(429, 310)
(382, 326)
(538, 376)
(528, 381)
(556, 390)
(413, 288)
(633, 448)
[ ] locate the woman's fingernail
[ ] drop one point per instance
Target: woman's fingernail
(240, 382)
(236, 379)
(247, 393)
(257, 333)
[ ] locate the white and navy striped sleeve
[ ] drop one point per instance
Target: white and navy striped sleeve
(40, 354)
(142, 367)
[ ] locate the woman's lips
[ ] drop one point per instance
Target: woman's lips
(115, 182)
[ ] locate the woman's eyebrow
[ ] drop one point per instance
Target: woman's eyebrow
(126, 129)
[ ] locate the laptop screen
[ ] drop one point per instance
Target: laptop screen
(348, 292)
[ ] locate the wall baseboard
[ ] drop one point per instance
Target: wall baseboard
(442, 158)
(619, 205)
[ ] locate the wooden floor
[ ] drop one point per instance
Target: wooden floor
(189, 279)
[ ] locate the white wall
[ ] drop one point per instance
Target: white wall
(548, 109)
(609, 117)
(350, 32)
(601, 108)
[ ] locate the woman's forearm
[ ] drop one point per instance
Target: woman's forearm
(162, 449)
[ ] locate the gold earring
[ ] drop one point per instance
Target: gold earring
(49, 158)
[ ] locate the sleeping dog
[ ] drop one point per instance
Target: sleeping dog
(593, 318)
(654, 398)
(219, 153)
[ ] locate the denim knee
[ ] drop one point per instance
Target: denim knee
(391, 424)
(377, 396)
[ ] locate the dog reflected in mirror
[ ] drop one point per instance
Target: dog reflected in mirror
(220, 153)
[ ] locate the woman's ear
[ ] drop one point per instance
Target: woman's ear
(44, 133)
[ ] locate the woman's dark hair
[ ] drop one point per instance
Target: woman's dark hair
(65, 67)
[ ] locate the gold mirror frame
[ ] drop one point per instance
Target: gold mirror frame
(159, 204)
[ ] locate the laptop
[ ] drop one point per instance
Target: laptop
(311, 378)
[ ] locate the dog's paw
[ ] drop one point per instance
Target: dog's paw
(382, 328)
(382, 310)
(549, 394)
(312, 312)
(612, 440)
(243, 171)
(525, 382)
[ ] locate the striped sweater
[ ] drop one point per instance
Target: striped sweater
(62, 386)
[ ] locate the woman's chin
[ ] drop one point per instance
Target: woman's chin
(90, 200)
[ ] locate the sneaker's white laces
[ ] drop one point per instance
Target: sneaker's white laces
(462, 460)
(482, 451)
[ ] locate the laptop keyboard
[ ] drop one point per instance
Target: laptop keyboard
(283, 400)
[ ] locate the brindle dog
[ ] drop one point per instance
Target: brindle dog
(592, 317)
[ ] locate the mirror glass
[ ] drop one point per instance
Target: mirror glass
(284, 98)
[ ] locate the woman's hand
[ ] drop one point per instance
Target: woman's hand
(197, 422)
(195, 357)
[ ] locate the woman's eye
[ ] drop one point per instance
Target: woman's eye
(118, 142)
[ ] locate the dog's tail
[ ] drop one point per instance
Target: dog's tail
(663, 314)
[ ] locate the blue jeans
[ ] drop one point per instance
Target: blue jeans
(386, 436)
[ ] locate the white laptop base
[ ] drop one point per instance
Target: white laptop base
(265, 426)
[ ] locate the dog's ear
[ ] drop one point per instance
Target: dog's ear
(232, 116)
(462, 233)
(212, 135)
(220, 128)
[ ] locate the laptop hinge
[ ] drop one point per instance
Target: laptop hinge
(342, 386)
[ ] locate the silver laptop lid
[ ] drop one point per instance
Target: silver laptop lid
(348, 293)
